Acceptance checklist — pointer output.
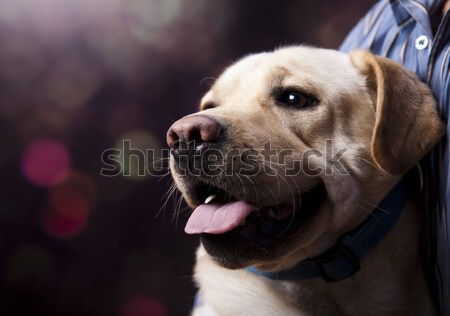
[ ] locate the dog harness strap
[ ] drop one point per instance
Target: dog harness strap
(343, 259)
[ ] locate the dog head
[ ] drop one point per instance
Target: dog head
(293, 148)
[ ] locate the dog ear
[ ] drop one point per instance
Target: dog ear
(407, 124)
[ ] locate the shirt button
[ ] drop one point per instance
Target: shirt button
(422, 42)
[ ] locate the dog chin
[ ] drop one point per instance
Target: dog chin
(232, 253)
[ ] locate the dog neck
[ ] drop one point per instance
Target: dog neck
(343, 259)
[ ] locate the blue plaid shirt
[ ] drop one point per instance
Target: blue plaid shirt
(413, 33)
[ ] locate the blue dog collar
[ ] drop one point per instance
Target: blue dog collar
(343, 259)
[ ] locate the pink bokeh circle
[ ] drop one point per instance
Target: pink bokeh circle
(45, 162)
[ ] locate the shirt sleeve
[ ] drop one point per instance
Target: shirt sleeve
(353, 38)
(365, 31)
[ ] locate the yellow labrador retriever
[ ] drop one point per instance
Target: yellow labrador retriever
(293, 167)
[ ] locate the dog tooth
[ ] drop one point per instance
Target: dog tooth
(210, 198)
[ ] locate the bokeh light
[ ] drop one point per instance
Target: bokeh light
(78, 78)
(63, 226)
(22, 61)
(72, 82)
(52, 20)
(68, 205)
(68, 202)
(45, 162)
(150, 21)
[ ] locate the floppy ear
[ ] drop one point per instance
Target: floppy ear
(407, 124)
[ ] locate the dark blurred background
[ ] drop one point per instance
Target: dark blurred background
(78, 79)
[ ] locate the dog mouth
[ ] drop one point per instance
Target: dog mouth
(223, 214)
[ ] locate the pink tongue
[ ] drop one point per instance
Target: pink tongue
(218, 218)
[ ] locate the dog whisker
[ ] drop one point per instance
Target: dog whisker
(176, 214)
(167, 196)
(375, 206)
(163, 176)
(369, 163)
(160, 160)
(369, 211)
(274, 166)
(242, 183)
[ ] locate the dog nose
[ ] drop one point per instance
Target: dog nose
(191, 133)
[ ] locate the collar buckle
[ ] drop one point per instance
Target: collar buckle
(337, 264)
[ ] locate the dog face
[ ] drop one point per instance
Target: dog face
(291, 149)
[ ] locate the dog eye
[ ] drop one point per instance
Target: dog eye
(295, 99)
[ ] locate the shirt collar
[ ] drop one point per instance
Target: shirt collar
(419, 10)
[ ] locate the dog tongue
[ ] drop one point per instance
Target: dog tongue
(218, 218)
